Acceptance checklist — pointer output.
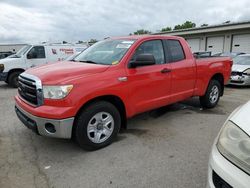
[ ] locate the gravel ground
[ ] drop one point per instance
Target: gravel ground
(167, 147)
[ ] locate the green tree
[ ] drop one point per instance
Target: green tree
(141, 32)
(166, 29)
(186, 25)
(93, 41)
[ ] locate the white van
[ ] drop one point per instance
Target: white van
(34, 55)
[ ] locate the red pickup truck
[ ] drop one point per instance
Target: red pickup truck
(91, 97)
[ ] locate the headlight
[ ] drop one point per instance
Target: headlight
(56, 92)
(247, 72)
(234, 144)
(1, 67)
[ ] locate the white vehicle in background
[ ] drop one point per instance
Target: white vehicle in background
(229, 163)
(34, 55)
(72, 57)
(240, 74)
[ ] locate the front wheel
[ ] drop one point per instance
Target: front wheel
(212, 95)
(97, 125)
(13, 79)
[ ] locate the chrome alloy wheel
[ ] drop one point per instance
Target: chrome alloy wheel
(214, 94)
(100, 127)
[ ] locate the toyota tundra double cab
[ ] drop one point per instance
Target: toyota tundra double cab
(90, 98)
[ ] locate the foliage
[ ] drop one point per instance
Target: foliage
(186, 25)
(142, 32)
(165, 29)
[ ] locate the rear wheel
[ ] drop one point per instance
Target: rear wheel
(212, 95)
(97, 125)
(13, 79)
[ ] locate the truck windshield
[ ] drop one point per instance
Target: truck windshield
(242, 60)
(107, 52)
(21, 51)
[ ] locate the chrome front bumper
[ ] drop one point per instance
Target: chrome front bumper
(243, 80)
(62, 127)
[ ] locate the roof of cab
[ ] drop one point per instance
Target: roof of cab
(137, 37)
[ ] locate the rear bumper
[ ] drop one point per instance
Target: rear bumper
(61, 128)
(3, 76)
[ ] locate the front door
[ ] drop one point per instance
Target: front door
(149, 86)
(36, 56)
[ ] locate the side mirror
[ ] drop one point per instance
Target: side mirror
(142, 60)
(31, 55)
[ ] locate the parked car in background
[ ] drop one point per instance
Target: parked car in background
(229, 164)
(228, 54)
(5, 54)
(241, 71)
(202, 54)
(34, 55)
(91, 97)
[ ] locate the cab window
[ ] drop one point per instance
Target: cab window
(37, 52)
(153, 47)
(175, 50)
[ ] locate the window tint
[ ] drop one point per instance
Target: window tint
(153, 47)
(37, 52)
(175, 49)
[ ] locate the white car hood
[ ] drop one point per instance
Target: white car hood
(8, 60)
(240, 68)
(242, 118)
(10, 63)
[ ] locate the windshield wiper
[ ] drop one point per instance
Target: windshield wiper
(89, 61)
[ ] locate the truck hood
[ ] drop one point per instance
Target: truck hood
(64, 72)
(240, 68)
(10, 63)
(9, 60)
(242, 118)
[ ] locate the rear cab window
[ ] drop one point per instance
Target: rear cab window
(175, 50)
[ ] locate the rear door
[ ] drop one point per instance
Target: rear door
(183, 71)
(36, 56)
(149, 86)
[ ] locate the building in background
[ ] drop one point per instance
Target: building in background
(11, 47)
(228, 37)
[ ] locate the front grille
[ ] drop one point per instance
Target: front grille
(235, 73)
(27, 90)
(219, 182)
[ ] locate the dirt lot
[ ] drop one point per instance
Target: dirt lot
(167, 147)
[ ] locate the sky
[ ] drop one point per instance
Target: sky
(32, 21)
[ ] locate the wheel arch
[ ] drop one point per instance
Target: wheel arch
(14, 70)
(220, 78)
(113, 99)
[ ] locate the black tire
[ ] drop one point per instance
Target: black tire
(13, 79)
(206, 101)
(81, 134)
